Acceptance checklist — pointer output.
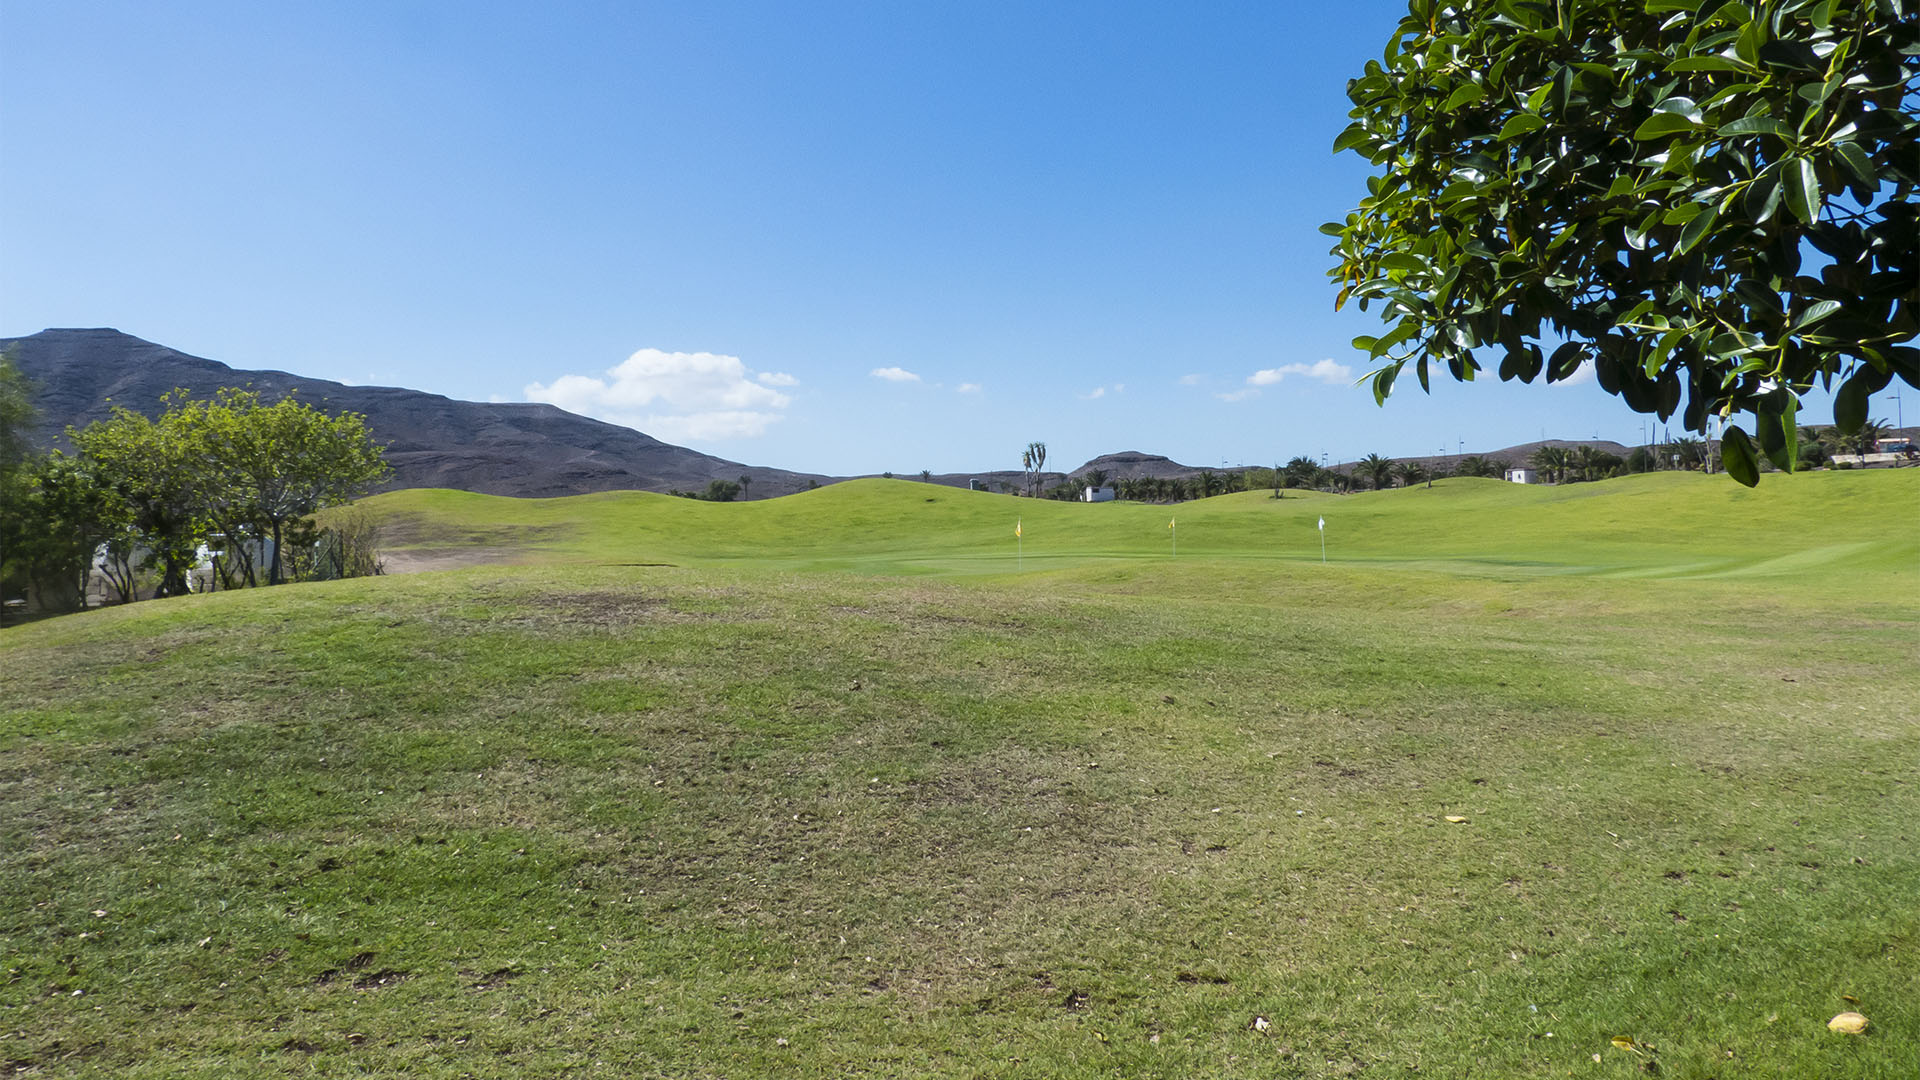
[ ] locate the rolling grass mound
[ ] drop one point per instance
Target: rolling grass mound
(1661, 523)
(826, 786)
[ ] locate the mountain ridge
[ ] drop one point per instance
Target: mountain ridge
(512, 448)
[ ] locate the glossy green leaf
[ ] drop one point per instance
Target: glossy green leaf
(1467, 94)
(1763, 197)
(1850, 403)
(1697, 230)
(1858, 164)
(1708, 63)
(1519, 125)
(1802, 186)
(1756, 125)
(1662, 124)
(1814, 313)
(1736, 453)
(1779, 432)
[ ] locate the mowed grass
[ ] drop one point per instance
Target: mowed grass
(839, 792)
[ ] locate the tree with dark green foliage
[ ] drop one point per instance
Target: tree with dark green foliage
(273, 464)
(151, 467)
(722, 491)
(16, 421)
(1301, 471)
(1378, 470)
(1712, 204)
(1477, 465)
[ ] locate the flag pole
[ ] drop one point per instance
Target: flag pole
(1323, 539)
(1174, 529)
(1019, 547)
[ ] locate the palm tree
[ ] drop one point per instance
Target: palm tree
(1866, 440)
(1690, 450)
(1814, 450)
(1033, 459)
(1552, 460)
(1378, 470)
(1411, 473)
(1301, 471)
(746, 482)
(1474, 465)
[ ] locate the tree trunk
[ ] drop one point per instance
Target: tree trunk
(273, 564)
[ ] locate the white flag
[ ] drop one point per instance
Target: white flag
(1323, 524)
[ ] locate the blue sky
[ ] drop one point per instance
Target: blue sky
(836, 237)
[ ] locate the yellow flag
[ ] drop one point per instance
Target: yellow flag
(1016, 528)
(1170, 522)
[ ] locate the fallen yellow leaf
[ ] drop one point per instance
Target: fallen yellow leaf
(1456, 819)
(1848, 1023)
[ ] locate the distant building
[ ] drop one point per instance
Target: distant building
(1099, 494)
(976, 485)
(1523, 475)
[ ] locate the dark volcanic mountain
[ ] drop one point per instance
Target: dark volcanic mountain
(432, 441)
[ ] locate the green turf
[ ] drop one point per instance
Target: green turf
(842, 792)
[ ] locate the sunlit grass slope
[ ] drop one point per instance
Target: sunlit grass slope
(1831, 527)
(1516, 773)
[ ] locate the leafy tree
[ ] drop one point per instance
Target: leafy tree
(1551, 460)
(1411, 473)
(1645, 180)
(54, 517)
(17, 414)
(1476, 465)
(721, 491)
(1301, 471)
(1691, 453)
(150, 467)
(746, 487)
(1378, 470)
(1592, 463)
(277, 463)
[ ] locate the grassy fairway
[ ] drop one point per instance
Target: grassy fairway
(838, 792)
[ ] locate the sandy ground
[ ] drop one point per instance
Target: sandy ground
(423, 560)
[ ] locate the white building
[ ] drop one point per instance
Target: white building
(1520, 474)
(1099, 494)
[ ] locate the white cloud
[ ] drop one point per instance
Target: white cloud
(967, 388)
(894, 374)
(1239, 395)
(700, 427)
(1099, 392)
(1325, 370)
(776, 378)
(1192, 380)
(674, 395)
